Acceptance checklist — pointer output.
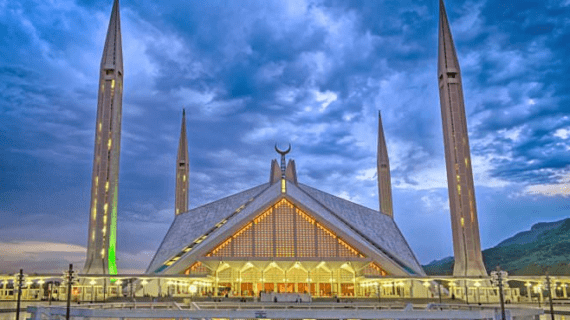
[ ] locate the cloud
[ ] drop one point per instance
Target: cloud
(562, 133)
(53, 257)
(313, 73)
(40, 256)
(560, 188)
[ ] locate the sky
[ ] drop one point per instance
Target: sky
(254, 73)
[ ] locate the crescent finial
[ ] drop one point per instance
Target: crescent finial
(281, 152)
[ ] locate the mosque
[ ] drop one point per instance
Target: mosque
(282, 236)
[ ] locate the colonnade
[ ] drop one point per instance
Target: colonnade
(248, 282)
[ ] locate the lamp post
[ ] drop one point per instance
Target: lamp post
(68, 276)
(19, 279)
(497, 278)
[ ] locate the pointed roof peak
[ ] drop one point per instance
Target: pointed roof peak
(113, 50)
(380, 127)
(447, 54)
(382, 153)
(183, 141)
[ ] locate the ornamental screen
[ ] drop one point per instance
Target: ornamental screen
(284, 231)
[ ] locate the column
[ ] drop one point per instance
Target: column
(332, 282)
(216, 282)
(528, 286)
(308, 281)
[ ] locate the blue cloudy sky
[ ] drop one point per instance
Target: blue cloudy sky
(250, 74)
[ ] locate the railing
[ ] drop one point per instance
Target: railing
(207, 310)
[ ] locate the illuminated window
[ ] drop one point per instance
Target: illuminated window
(345, 250)
(284, 233)
(184, 178)
(305, 235)
(243, 242)
(326, 242)
(264, 234)
(109, 143)
(283, 186)
(273, 234)
(112, 84)
(462, 222)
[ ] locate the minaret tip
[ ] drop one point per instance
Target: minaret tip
(113, 51)
(383, 173)
(182, 170)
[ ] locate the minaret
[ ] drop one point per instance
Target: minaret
(101, 248)
(182, 170)
(383, 173)
(464, 224)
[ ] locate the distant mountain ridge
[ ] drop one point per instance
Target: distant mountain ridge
(545, 247)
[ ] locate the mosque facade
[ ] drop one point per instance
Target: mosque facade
(283, 236)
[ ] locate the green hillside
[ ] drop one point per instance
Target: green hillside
(546, 246)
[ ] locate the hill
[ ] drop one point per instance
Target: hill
(546, 246)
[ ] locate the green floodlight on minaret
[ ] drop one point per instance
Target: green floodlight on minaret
(101, 249)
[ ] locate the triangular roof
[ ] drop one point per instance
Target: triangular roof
(197, 231)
